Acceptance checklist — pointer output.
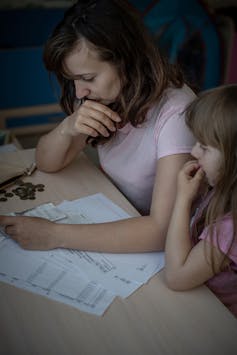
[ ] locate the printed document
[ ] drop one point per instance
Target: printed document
(88, 281)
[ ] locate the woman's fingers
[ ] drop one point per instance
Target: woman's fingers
(10, 230)
(100, 108)
(93, 126)
(30, 232)
(94, 118)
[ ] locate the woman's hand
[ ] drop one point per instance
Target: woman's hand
(32, 233)
(92, 119)
(190, 180)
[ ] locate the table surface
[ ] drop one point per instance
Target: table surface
(152, 321)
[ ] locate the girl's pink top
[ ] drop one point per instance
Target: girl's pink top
(224, 284)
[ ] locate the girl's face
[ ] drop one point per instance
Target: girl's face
(93, 79)
(209, 159)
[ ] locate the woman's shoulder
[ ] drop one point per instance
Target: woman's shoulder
(172, 104)
(173, 100)
(179, 95)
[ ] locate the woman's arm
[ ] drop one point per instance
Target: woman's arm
(59, 147)
(138, 234)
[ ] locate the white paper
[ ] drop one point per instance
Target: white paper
(47, 210)
(86, 280)
(28, 270)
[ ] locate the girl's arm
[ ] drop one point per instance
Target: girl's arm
(138, 234)
(187, 267)
(59, 147)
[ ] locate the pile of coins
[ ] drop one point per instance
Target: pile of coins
(24, 190)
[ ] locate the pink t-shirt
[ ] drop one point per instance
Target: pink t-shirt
(130, 158)
(224, 284)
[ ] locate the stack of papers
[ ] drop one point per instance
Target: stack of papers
(88, 281)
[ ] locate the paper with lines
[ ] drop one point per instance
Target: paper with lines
(88, 281)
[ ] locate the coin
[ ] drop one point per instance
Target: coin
(8, 194)
(40, 186)
(20, 191)
(24, 190)
(3, 199)
(19, 182)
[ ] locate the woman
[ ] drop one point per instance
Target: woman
(121, 96)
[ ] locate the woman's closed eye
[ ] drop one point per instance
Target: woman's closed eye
(88, 79)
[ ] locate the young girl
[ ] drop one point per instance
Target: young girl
(210, 255)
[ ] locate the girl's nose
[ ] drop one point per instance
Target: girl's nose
(81, 90)
(194, 151)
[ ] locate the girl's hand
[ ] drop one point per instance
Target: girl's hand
(92, 119)
(30, 232)
(190, 179)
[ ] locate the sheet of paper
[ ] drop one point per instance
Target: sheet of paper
(86, 280)
(47, 210)
(11, 147)
(2, 234)
(119, 275)
(97, 208)
(28, 270)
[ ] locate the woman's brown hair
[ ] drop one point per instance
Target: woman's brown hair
(116, 32)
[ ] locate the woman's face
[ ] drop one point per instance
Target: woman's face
(93, 79)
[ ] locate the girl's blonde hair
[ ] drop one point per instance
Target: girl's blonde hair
(212, 118)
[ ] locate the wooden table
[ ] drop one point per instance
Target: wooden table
(153, 321)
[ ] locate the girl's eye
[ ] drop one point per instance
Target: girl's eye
(203, 147)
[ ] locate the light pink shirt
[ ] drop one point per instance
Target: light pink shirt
(130, 158)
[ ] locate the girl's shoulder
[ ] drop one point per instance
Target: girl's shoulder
(223, 236)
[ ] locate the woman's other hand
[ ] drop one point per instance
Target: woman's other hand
(32, 233)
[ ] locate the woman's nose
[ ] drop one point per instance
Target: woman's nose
(81, 90)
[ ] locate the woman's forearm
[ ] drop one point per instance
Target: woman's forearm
(138, 234)
(57, 149)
